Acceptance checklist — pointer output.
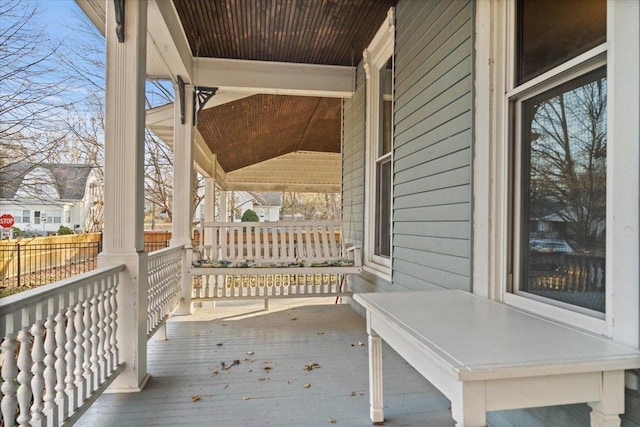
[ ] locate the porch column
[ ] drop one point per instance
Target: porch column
(209, 207)
(123, 237)
(183, 154)
(222, 206)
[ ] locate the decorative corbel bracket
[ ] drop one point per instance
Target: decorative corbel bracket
(119, 5)
(201, 95)
(181, 96)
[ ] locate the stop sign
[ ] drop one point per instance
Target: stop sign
(6, 221)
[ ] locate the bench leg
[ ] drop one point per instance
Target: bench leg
(605, 413)
(375, 376)
(468, 407)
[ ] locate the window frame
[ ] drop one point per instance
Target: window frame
(491, 175)
(375, 58)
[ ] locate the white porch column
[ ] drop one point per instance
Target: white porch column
(209, 206)
(222, 206)
(183, 154)
(123, 236)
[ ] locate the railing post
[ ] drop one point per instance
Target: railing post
(19, 265)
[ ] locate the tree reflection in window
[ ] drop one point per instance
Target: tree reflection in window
(564, 192)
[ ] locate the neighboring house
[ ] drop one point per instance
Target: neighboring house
(42, 197)
(266, 205)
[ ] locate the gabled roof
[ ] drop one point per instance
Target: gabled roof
(70, 180)
(266, 198)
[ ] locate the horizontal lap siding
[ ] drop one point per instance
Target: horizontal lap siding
(432, 145)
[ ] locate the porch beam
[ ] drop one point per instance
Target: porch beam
(169, 41)
(123, 237)
(279, 78)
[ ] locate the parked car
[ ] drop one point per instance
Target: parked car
(550, 245)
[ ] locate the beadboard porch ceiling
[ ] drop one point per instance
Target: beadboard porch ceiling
(267, 43)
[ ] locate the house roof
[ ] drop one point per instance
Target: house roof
(69, 179)
(266, 198)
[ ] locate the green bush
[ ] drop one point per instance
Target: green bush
(250, 216)
(64, 230)
(16, 232)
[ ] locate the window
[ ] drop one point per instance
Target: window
(378, 63)
(26, 216)
(36, 217)
(560, 154)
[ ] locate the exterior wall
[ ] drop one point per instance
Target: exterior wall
(432, 144)
(432, 150)
(353, 173)
(75, 208)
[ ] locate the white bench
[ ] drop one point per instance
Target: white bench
(486, 356)
(295, 253)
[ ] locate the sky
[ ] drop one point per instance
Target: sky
(57, 17)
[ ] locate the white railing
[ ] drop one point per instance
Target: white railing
(59, 350)
(165, 288)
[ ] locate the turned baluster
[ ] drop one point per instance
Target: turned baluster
(70, 358)
(37, 369)
(95, 369)
(24, 376)
(107, 332)
(101, 341)
(81, 384)
(115, 356)
(61, 366)
(9, 373)
(50, 408)
(86, 344)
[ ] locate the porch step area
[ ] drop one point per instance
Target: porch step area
(190, 386)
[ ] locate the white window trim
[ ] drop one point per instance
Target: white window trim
(375, 56)
(492, 216)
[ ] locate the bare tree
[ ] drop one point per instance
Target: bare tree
(30, 87)
(568, 163)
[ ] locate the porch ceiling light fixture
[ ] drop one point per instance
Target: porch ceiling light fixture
(119, 6)
(201, 95)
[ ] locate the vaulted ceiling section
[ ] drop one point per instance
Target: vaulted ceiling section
(261, 127)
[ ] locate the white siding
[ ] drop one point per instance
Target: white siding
(432, 145)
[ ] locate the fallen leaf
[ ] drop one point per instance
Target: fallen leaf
(311, 366)
(267, 368)
(319, 333)
(353, 393)
(331, 420)
(248, 360)
(215, 371)
(220, 344)
(290, 382)
(294, 318)
(246, 398)
(250, 353)
(195, 398)
(360, 343)
(307, 385)
(262, 379)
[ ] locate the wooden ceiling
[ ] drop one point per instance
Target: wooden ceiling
(330, 32)
(261, 127)
(324, 32)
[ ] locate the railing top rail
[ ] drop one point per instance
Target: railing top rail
(164, 251)
(33, 296)
(272, 224)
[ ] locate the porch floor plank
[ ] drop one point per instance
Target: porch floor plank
(292, 334)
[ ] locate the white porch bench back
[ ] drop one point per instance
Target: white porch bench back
(265, 260)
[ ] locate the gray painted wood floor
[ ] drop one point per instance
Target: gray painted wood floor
(267, 387)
